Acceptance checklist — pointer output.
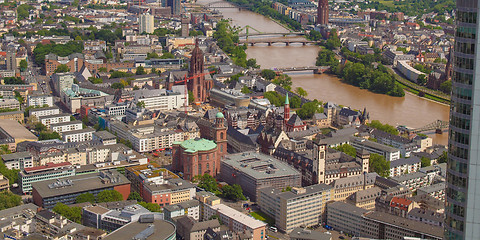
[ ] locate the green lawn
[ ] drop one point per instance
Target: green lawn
(263, 217)
(387, 3)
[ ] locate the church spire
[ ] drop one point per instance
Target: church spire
(286, 100)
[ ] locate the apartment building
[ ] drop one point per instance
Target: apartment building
(105, 137)
(80, 135)
(52, 119)
(390, 153)
(435, 190)
(253, 171)
(118, 109)
(166, 192)
(405, 165)
(43, 173)
(9, 104)
(18, 160)
(15, 115)
(66, 126)
(345, 187)
(237, 221)
(190, 229)
(39, 100)
(365, 198)
(4, 183)
(295, 208)
(189, 208)
(48, 193)
(413, 180)
(41, 112)
(345, 217)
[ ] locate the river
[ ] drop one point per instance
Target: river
(410, 110)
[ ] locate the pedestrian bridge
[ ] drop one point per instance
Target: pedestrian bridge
(270, 41)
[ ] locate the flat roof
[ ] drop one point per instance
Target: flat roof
(10, 113)
(47, 166)
(54, 116)
(259, 165)
(80, 183)
(16, 130)
(65, 123)
(43, 109)
(161, 230)
(16, 155)
(104, 135)
(85, 130)
(239, 217)
(300, 233)
(297, 192)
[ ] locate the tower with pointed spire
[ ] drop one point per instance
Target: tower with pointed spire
(286, 111)
(198, 85)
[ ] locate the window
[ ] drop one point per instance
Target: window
(221, 148)
(208, 166)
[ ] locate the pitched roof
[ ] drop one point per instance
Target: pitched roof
(295, 121)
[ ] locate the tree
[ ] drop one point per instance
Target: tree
(425, 162)
(109, 196)
(117, 86)
(95, 80)
(379, 164)
(23, 65)
(73, 214)
(268, 74)
(246, 90)
(39, 127)
(284, 81)
(9, 200)
(141, 104)
(135, 196)
(207, 182)
(167, 55)
(300, 91)
(85, 197)
(252, 63)
(48, 135)
(62, 68)
(309, 109)
(384, 127)
(295, 102)
(234, 192)
(421, 79)
(191, 97)
(19, 97)
(152, 207)
(140, 71)
(347, 149)
(443, 158)
(446, 86)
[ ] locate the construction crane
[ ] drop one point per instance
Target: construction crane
(185, 80)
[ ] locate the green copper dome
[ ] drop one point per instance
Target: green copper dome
(220, 115)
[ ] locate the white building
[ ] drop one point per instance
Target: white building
(9, 103)
(52, 119)
(81, 135)
(66, 126)
(162, 99)
(116, 109)
(41, 112)
(62, 81)
(390, 153)
(146, 23)
(405, 166)
(39, 100)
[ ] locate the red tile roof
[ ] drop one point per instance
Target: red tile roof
(47, 166)
(401, 203)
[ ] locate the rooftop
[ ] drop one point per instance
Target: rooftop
(144, 229)
(296, 192)
(79, 183)
(246, 220)
(65, 123)
(307, 234)
(410, 176)
(16, 155)
(197, 144)
(16, 130)
(259, 165)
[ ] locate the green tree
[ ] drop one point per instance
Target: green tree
(275, 98)
(140, 71)
(425, 162)
(246, 90)
(379, 164)
(284, 81)
(309, 109)
(446, 86)
(191, 97)
(23, 65)
(347, 149)
(73, 214)
(300, 91)
(19, 97)
(141, 104)
(268, 74)
(135, 196)
(207, 182)
(234, 192)
(117, 85)
(85, 197)
(62, 68)
(109, 196)
(152, 207)
(252, 63)
(151, 55)
(384, 127)
(443, 158)
(167, 55)
(39, 127)
(421, 79)
(9, 200)
(95, 80)
(120, 74)
(47, 135)
(295, 102)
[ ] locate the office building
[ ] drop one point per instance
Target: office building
(62, 81)
(161, 99)
(18, 160)
(9, 104)
(390, 153)
(307, 234)
(252, 171)
(48, 193)
(4, 183)
(13, 133)
(297, 207)
(41, 112)
(52, 119)
(189, 208)
(39, 100)
(151, 172)
(462, 212)
(146, 23)
(175, 6)
(80, 135)
(18, 116)
(43, 173)
(163, 193)
(148, 227)
(190, 229)
(66, 126)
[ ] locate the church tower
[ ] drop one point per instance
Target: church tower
(220, 135)
(322, 12)
(363, 158)
(286, 111)
(197, 84)
(319, 157)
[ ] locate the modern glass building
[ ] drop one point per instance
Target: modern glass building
(462, 198)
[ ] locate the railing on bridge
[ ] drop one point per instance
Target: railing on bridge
(438, 126)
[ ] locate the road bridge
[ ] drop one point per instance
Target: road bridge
(315, 69)
(270, 41)
(217, 4)
(245, 35)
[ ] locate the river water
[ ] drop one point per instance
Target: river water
(410, 110)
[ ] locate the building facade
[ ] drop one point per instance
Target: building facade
(196, 157)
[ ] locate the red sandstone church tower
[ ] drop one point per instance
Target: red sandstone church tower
(286, 112)
(322, 12)
(198, 85)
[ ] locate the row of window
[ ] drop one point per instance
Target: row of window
(456, 165)
(468, 48)
(462, 93)
(458, 137)
(462, 108)
(466, 17)
(465, 63)
(457, 181)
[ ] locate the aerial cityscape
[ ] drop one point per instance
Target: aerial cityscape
(239, 119)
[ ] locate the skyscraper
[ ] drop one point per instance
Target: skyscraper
(175, 5)
(463, 178)
(322, 12)
(146, 23)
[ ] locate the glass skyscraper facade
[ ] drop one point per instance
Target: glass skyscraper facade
(463, 179)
